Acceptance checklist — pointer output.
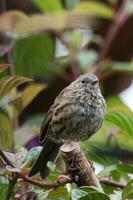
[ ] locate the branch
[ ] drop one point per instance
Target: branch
(77, 166)
(62, 180)
(112, 183)
(121, 18)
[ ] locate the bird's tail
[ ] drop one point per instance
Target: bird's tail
(49, 153)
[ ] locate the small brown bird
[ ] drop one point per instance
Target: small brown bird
(76, 114)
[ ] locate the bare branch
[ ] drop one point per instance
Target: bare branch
(77, 166)
(62, 180)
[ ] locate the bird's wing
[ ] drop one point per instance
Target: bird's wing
(48, 117)
(45, 126)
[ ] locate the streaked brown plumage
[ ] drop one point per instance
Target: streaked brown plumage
(76, 114)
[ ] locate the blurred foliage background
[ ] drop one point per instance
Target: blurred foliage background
(53, 42)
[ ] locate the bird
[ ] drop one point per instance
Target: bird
(76, 114)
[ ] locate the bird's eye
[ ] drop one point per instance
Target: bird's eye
(83, 81)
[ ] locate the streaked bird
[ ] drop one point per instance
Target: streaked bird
(76, 114)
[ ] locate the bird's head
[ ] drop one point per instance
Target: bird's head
(87, 81)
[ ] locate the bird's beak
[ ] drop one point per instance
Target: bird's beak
(95, 82)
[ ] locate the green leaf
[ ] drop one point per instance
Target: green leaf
(42, 194)
(87, 58)
(122, 66)
(3, 187)
(51, 166)
(70, 4)
(88, 193)
(92, 149)
(95, 9)
(7, 83)
(31, 56)
(125, 168)
(32, 156)
(128, 191)
(48, 5)
(60, 193)
(3, 66)
(121, 119)
(6, 132)
(26, 96)
(116, 195)
(118, 66)
(106, 171)
(30, 92)
(114, 103)
(53, 171)
(17, 158)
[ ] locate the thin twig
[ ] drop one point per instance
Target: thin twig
(46, 184)
(112, 183)
(121, 18)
